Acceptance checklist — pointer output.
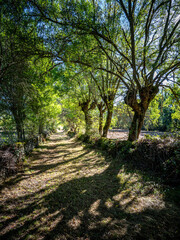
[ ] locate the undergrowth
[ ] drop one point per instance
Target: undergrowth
(158, 157)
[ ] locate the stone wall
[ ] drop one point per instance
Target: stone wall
(13, 156)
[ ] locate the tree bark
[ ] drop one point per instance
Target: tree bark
(136, 126)
(86, 107)
(41, 128)
(19, 129)
(146, 94)
(19, 126)
(108, 120)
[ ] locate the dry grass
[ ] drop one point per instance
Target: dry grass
(68, 192)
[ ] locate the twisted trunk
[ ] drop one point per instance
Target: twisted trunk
(146, 94)
(86, 108)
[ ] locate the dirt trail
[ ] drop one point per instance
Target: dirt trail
(68, 192)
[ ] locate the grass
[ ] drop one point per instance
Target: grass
(70, 192)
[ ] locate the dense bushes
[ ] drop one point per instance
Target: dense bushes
(160, 157)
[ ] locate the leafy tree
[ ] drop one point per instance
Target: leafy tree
(146, 42)
(71, 116)
(86, 94)
(76, 83)
(18, 37)
(15, 87)
(44, 105)
(139, 39)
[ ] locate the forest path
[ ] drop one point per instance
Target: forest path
(69, 192)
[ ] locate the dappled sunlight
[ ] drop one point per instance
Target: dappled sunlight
(75, 222)
(93, 210)
(68, 192)
(147, 202)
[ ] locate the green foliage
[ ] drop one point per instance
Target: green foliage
(71, 116)
(152, 115)
(58, 55)
(170, 118)
(122, 116)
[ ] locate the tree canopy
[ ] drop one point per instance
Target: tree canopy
(112, 57)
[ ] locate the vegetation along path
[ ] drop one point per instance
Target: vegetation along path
(70, 192)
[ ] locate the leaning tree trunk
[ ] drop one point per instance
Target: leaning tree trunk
(108, 120)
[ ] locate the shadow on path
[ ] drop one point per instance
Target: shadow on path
(72, 193)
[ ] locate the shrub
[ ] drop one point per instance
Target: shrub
(160, 157)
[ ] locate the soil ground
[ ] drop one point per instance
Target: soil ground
(123, 134)
(67, 191)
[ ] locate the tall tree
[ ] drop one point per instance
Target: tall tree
(14, 90)
(147, 42)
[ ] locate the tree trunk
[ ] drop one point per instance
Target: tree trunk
(19, 131)
(19, 127)
(41, 128)
(102, 108)
(17, 111)
(86, 107)
(136, 126)
(108, 120)
(89, 122)
(146, 95)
